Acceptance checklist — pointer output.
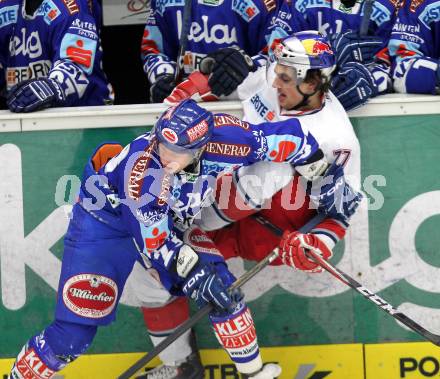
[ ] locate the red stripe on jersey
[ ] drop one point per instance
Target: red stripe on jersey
(332, 227)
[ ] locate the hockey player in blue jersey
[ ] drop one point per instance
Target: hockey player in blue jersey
(212, 24)
(415, 48)
(124, 215)
(360, 45)
(54, 57)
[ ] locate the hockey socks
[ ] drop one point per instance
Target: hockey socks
(236, 333)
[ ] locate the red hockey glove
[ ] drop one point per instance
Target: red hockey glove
(292, 250)
(195, 87)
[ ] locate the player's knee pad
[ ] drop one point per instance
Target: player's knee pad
(48, 352)
(236, 333)
(244, 192)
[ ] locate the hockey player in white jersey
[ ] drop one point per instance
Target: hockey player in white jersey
(296, 85)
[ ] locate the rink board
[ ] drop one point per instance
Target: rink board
(415, 360)
(335, 362)
(393, 250)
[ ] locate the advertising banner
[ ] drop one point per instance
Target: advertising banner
(300, 362)
(415, 360)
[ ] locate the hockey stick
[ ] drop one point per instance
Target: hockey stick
(365, 292)
(368, 9)
(183, 41)
(203, 312)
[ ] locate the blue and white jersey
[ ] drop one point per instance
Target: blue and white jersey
(237, 143)
(134, 194)
(331, 17)
(215, 24)
(415, 47)
(61, 41)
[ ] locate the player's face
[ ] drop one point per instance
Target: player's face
(172, 161)
(286, 84)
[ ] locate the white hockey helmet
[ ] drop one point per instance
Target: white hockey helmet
(305, 51)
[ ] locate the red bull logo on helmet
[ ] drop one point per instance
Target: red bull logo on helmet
(316, 47)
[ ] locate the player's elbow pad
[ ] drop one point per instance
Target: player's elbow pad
(314, 167)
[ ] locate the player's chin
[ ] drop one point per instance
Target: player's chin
(282, 99)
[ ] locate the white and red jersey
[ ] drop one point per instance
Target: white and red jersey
(329, 125)
(334, 132)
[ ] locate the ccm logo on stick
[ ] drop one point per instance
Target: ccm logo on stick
(427, 366)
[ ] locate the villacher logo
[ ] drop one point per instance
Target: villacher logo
(89, 295)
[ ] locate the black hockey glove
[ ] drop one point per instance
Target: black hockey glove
(228, 68)
(35, 94)
(161, 88)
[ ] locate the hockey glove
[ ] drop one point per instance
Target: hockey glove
(161, 88)
(209, 283)
(35, 94)
(351, 47)
(195, 87)
(353, 85)
(333, 196)
(293, 247)
(228, 67)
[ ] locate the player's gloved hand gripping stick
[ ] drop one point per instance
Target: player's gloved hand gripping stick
(349, 281)
(203, 312)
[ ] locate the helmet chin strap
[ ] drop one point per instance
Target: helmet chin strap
(305, 99)
(194, 166)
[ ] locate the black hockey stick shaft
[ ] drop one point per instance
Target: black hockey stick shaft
(203, 312)
(183, 41)
(370, 295)
(199, 315)
(365, 21)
